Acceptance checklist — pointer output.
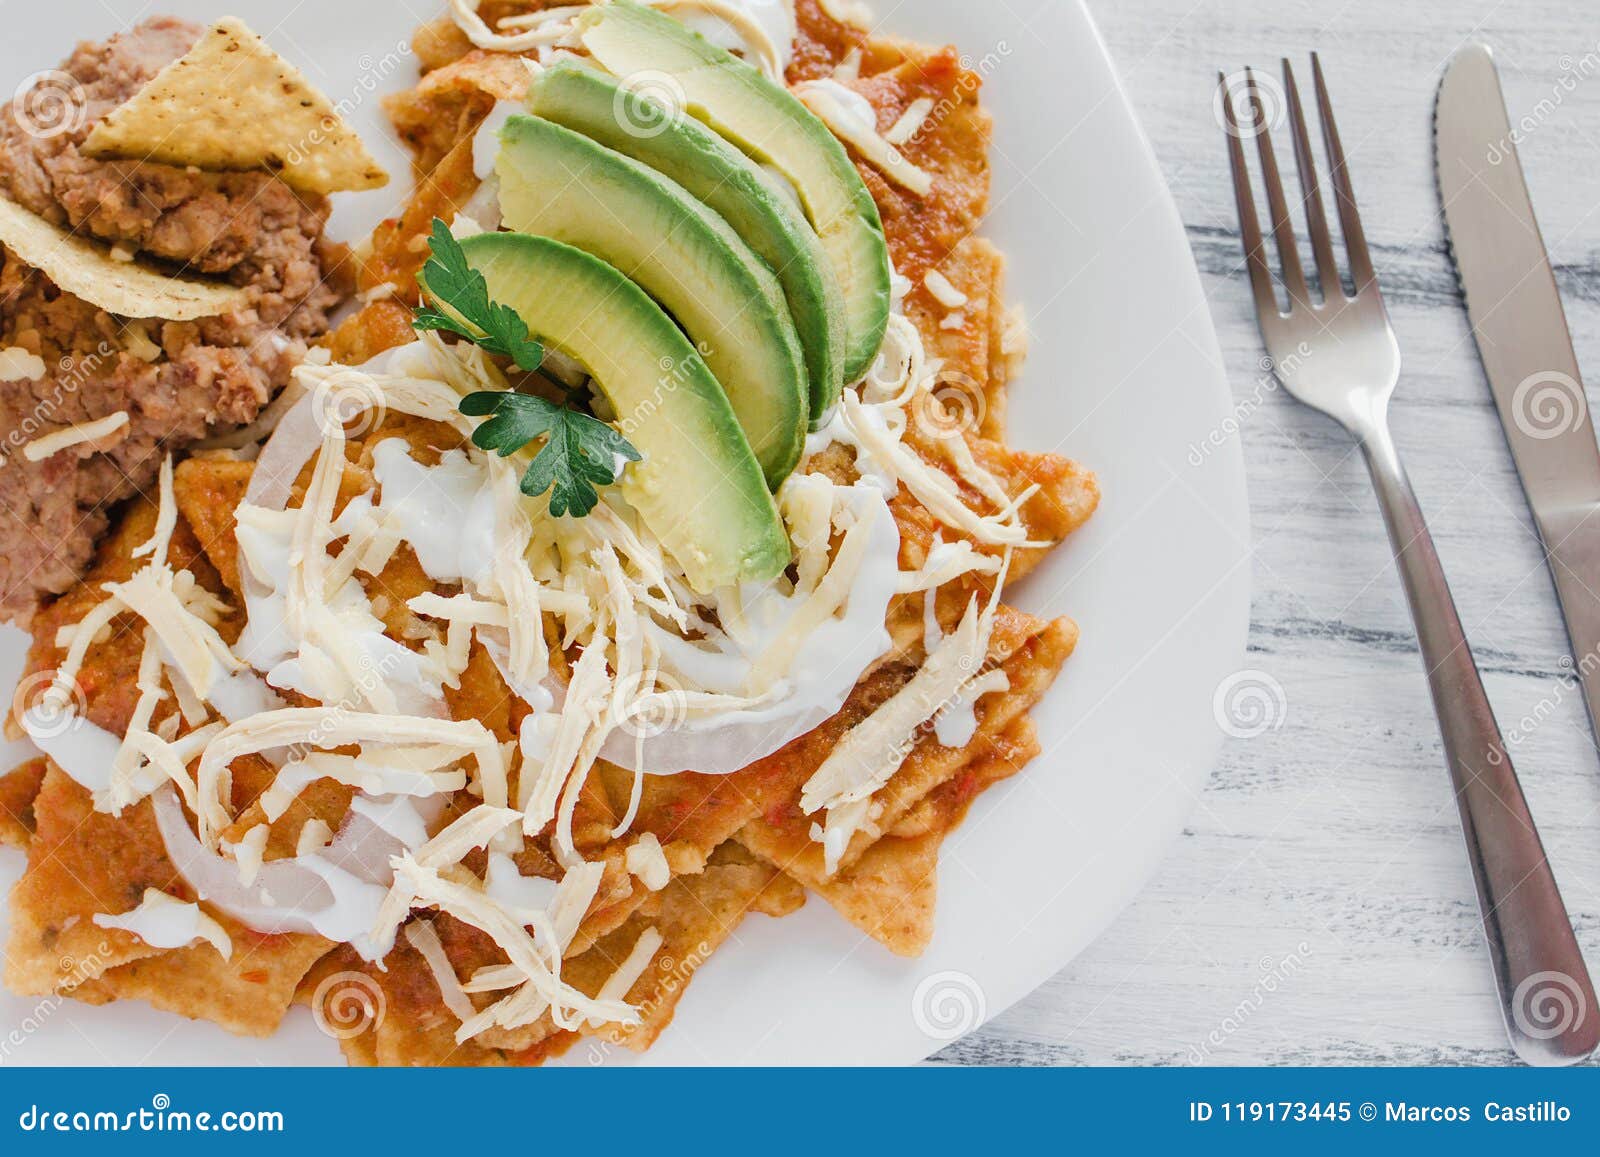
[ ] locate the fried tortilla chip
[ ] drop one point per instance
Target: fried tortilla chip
(396, 1015)
(18, 789)
(1068, 494)
(208, 491)
(80, 863)
(109, 676)
(1029, 651)
(450, 99)
(890, 891)
(232, 102)
(698, 913)
(951, 146)
(969, 392)
(86, 269)
(246, 993)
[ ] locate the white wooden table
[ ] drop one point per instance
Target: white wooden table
(1319, 909)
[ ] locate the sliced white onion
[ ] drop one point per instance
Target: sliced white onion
(334, 892)
(294, 441)
(719, 744)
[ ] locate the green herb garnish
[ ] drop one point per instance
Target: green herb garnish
(579, 454)
(580, 451)
(450, 280)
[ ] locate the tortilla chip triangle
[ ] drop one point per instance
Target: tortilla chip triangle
(233, 103)
(86, 269)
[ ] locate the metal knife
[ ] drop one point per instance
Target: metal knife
(1522, 337)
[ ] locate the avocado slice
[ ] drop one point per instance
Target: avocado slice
(770, 124)
(698, 485)
(587, 101)
(557, 183)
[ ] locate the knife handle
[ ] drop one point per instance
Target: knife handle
(1545, 992)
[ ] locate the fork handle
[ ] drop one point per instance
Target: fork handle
(1545, 991)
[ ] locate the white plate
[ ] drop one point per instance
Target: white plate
(1125, 375)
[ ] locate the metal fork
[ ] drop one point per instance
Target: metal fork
(1339, 355)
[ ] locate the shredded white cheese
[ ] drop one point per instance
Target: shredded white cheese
(618, 984)
(94, 433)
(425, 940)
(852, 120)
(910, 122)
(330, 727)
(645, 859)
(20, 365)
(943, 292)
(871, 752)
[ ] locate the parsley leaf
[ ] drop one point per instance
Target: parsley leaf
(495, 327)
(580, 451)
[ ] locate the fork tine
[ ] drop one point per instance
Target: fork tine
(1316, 215)
(1294, 278)
(1255, 254)
(1355, 241)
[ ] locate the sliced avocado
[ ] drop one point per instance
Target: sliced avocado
(698, 485)
(770, 124)
(557, 183)
(587, 101)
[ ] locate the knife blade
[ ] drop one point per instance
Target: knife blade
(1521, 331)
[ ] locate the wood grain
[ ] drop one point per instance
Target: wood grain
(1318, 909)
